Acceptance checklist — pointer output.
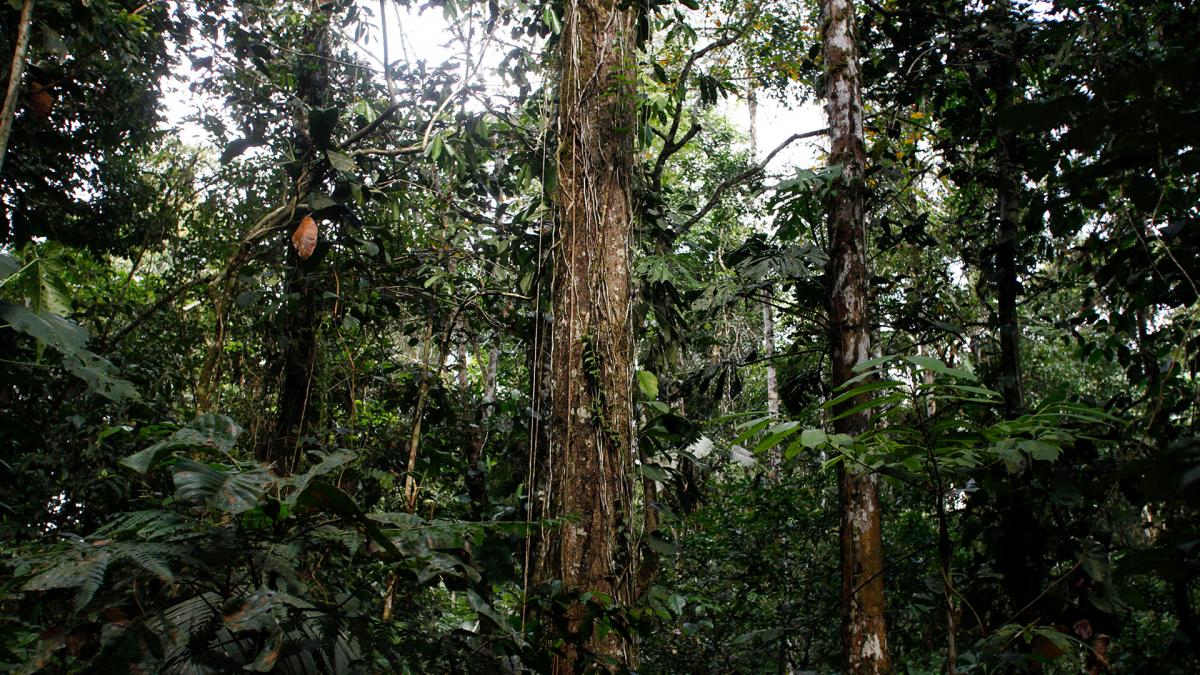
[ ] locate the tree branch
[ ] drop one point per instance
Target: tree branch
(749, 173)
(150, 311)
(14, 77)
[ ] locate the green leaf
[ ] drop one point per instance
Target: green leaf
(64, 335)
(206, 431)
(750, 428)
(321, 123)
(226, 491)
(8, 266)
(49, 294)
(864, 366)
(654, 472)
(329, 463)
(930, 363)
(870, 403)
(82, 570)
(1040, 450)
(982, 391)
(321, 496)
(927, 362)
(100, 375)
(648, 384)
(860, 390)
(811, 438)
(775, 435)
(341, 161)
(551, 19)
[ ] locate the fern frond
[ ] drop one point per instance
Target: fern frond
(92, 579)
(149, 556)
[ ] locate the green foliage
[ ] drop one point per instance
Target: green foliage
(146, 280)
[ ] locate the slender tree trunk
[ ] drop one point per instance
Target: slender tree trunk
(1008, 213)
(1023, 540)
(476, 479)
(768, 310)
(296, 409)
(864, 634)
(15, 72)
(1008, 287)
(591, 415)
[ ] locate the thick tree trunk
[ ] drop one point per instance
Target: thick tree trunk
(591, 389)
(296, 405)
(864, 635)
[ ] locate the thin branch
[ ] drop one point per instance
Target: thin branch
(751, 172)
(670, 145)
(371, 127)
(418, 148)
(387, 64)
(14, 77)
(150, 311)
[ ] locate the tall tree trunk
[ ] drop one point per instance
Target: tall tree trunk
(768, 310)
(1023, 539)
(864, 634)
(296, 406)
(1008, 287)
(591, 414)
(15, 72)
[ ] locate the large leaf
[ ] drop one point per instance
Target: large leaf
(83, 570)
(321, 496)
(100, 375)
(341, 161)
(227, 491)
(206, 431)
(64, 335)
(69, 339)
(8, 266)
(329, 463)
(47, 293)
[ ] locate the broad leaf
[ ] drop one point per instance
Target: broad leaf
(227, 491)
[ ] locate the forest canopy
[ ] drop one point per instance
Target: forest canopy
(567, 336)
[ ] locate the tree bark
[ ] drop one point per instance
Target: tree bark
(864, 634)
(15, 72)
(591, 414)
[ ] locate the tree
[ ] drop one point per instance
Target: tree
(864, 632)
(591, 397)
(295, 408)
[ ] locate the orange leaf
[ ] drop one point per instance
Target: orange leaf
(305, 237)
(41, 102)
